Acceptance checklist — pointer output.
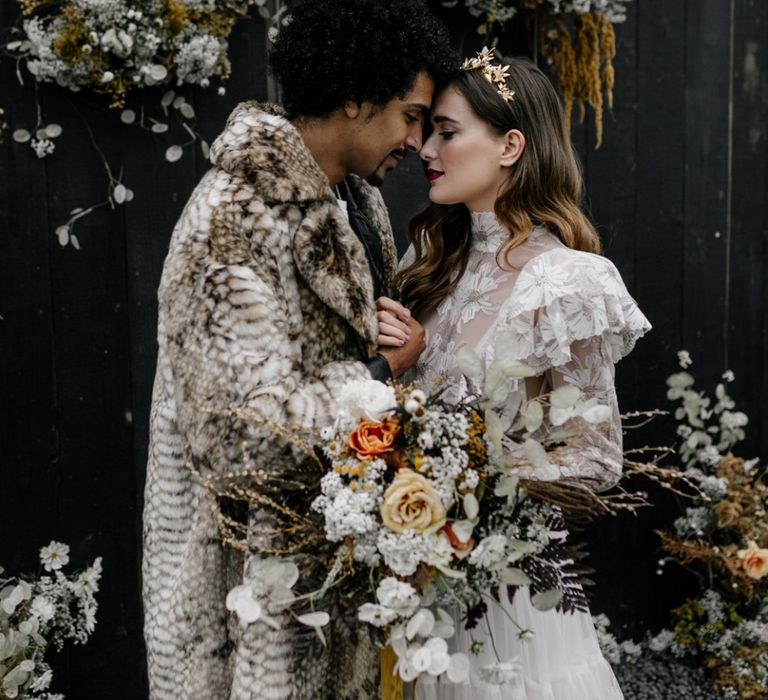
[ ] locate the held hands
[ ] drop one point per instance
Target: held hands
(401, 337)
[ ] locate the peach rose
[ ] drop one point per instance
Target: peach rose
(373, 437)
(755, 560)
(412, 503)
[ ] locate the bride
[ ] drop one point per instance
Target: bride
(504, 247)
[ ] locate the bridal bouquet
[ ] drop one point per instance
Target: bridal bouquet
(421, 493)
(36, 613)
(415, 506)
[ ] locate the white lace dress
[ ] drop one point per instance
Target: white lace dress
(570, 317)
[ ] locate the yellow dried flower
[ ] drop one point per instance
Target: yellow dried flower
(176, 16)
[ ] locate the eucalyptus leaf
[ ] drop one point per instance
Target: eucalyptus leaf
(205, 149)
(493, 430)
(187, 110)
(534, 415)
(506, 486)
(597, 414)
(53, 131)
(167, 98)
(128, 116)
(558, 414)
(159, 128)
(514, 577)
(173, 153)
(450, 573)
(546, 600)
(118, 194)
(471, 506)
(62, 233)
(525, 546)
(496, 389)
(74, 241)
(536, 454)
(560, 435)
(158, 72)
(315, 619)
(468, 362)
(565, 396)
(178, 102)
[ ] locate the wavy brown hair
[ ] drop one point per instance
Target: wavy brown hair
(544, 187)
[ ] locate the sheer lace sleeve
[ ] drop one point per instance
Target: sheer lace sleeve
(594, 454)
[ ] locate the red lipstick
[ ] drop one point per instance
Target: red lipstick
(432, 175)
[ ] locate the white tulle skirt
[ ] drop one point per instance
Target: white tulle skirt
(562, 661)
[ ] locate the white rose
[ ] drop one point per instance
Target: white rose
(489, 551)
(398, 596)
(376, 615)
(367, 399)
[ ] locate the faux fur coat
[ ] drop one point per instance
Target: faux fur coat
(265, 301)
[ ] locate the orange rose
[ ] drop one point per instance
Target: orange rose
(755, 560)
(411, 503)
(460, 549)
(373, 437)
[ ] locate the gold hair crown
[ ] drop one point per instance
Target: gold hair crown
(496, 75)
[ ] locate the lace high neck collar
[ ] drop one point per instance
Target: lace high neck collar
(487, 232)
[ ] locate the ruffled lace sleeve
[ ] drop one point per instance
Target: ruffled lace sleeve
(572, 319)
(564, 296)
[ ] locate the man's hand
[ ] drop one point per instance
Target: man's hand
(401, 338)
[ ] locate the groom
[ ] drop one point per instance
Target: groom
(267, 302)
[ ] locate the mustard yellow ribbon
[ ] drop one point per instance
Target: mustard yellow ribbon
(391, 683)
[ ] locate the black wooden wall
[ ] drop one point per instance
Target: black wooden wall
(678, 190)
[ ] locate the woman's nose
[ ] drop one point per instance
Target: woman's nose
(427, 151)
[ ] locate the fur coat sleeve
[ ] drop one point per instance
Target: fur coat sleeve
(265, 303)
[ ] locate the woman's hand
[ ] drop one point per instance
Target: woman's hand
(401, 338)
(393, 318)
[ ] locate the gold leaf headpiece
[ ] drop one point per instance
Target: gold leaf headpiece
(495, 74)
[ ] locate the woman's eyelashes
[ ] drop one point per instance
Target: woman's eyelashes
(446, 135)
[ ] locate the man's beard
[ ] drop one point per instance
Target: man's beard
(376, 178)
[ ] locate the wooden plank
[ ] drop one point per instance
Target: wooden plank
(707, 237)
(658, 252)
(28, 416)
(612, 191)
(96, 495)
(611, 201)
(746, 339)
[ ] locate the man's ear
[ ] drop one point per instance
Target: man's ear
(514, 145)
(352, 109)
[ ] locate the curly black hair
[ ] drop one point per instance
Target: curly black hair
(338, 51)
